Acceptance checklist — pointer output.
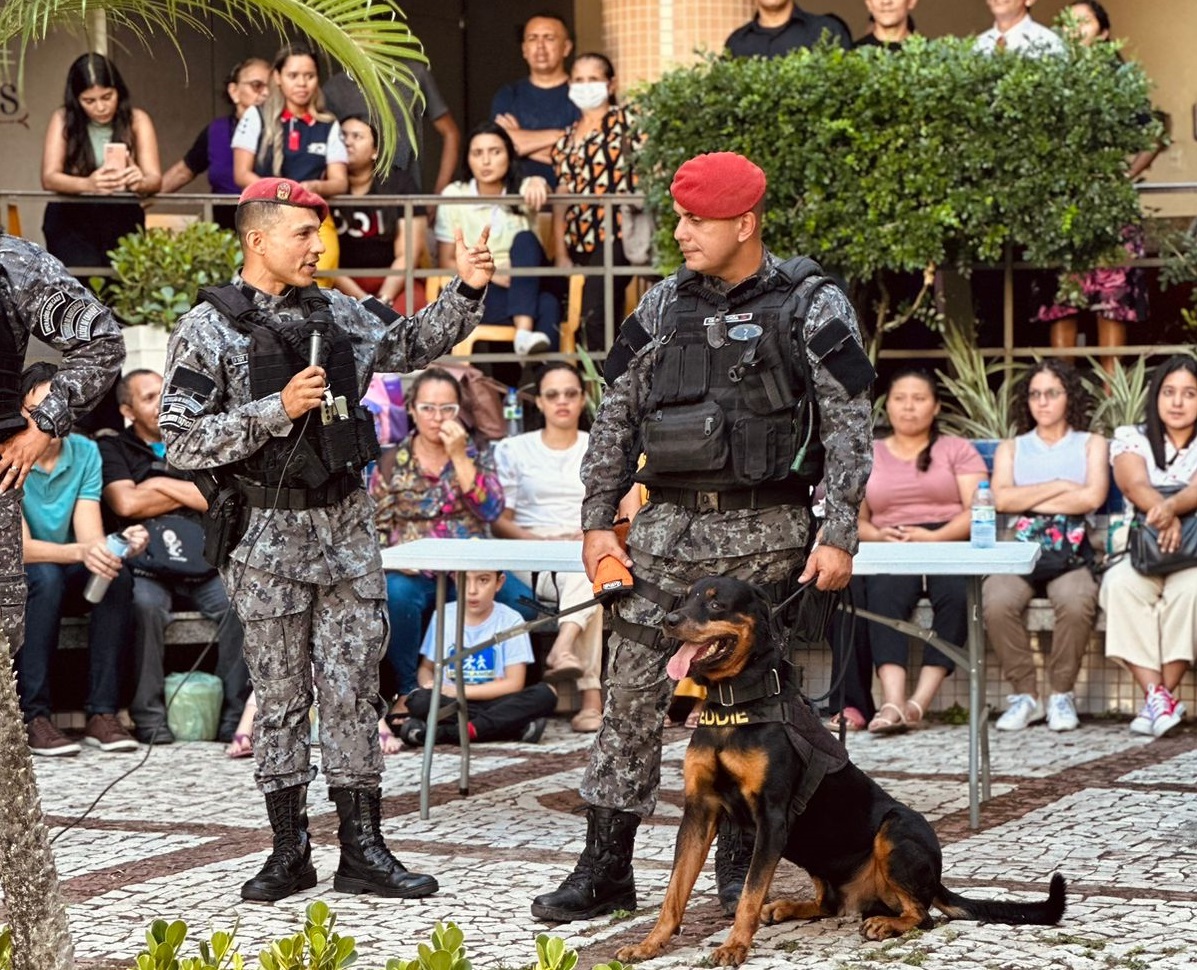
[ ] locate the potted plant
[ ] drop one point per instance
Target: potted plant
(156, 276)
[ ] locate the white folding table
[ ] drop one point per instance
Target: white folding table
(443, 557)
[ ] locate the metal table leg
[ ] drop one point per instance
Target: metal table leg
(434, 704)
(978, 711)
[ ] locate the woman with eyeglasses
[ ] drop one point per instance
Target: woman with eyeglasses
(246, 87)
(435, 483)
(1049, 479)
(542, 487)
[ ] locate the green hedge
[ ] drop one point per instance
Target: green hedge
(932, 155)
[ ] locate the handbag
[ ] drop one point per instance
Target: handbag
(1143, 544)
(1063, 544)
(175, 549)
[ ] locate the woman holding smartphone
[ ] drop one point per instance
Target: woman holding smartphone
(97, 143)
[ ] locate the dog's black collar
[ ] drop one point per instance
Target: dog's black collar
(735, 693)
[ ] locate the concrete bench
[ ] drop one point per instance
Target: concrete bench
(183, 628)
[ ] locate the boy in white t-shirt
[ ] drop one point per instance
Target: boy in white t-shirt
(500, 707)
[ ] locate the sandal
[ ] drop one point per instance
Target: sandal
(852, 718)
(387, 741)
(915, 720)
(242, 746)
(395, 717)
(888, 725)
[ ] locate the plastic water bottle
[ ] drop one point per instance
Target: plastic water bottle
(513, 413)
(983, 530)
(97, 585)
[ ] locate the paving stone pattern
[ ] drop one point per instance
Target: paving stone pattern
(1116, 814)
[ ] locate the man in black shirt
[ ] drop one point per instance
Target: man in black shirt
(780, 27)
(140, 488)
(892, 24)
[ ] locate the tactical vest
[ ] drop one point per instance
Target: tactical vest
(317, 454)
(727, 413)
(11, 360)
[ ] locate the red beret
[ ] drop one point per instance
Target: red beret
(284, 192)
(718, 185)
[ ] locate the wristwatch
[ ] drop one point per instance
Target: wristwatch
(44, 422)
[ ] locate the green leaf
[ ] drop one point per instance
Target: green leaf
(176, 933)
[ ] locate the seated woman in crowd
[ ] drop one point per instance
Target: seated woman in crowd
(492, 168)
(371, 236)
(97, 143)
(246, 87)
(1151, 621)
(435, 483)
(920, 490)
(1051, 477)
(292, 136)
(594, 155)
(542, 488)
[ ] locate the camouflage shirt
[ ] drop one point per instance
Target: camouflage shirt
(846, 429)
(38, 296)
(209, 419)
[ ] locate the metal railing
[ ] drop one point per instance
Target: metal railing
(202, 204)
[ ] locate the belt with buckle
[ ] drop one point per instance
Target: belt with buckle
(732, 500)
(299, 499)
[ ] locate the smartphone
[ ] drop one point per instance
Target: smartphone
(116, 156)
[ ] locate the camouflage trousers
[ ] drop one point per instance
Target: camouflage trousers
(625, 762)
(12, 571)
(299, 636)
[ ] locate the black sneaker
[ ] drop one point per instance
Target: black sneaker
(534, 729)
(45, 739)
(155, 734)
(106, 732)
(412, 732)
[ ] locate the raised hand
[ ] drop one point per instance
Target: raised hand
(475, 264)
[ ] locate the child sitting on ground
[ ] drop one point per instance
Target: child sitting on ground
(500, 707)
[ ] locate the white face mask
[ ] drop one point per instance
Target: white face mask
(591, 94)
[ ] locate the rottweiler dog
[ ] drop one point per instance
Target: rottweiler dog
(865, 851)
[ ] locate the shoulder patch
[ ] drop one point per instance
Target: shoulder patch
(835, 348)
(66, 318)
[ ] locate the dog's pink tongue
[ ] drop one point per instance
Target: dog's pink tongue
(679, 663)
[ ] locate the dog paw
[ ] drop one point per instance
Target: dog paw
(638, 952)
(879, 928)
(730, 955)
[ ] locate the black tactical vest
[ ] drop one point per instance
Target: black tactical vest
(315, 452)
(726, 413)
(11, 361)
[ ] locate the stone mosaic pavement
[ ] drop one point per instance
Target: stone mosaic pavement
(1117, 815)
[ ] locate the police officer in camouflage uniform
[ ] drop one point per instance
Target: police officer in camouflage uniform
(709, 379)
(38, 296)
(288, 439)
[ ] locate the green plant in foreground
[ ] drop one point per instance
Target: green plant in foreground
(445, 953)
(5, 948)
(157, 273)
(164, 942)
(318, 947)
(553, 954)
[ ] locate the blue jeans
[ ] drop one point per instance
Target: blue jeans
(55, 591)
(411, 602)
(527, 296)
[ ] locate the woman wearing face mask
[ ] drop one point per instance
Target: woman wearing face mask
(246, 87)
(97, 143)
(593, 156)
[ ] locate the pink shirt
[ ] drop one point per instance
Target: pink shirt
(899, 494)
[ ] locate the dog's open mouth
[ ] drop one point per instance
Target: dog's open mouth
(693, 652)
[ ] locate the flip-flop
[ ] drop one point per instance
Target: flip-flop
(885, 725)
(917, 721)
(242, 746)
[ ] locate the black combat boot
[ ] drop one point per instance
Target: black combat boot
(289, 867)
(367, 865)
(733, 853)
(602, 880)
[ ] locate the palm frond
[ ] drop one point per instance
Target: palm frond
(370, 38)
(973, 409)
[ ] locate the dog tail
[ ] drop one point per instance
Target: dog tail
(1046, 913)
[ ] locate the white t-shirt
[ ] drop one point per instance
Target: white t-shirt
(1181, 465)
(1025, 37)
(491, 663)
(505, 223)
(542, 485)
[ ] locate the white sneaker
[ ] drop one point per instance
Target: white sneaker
(1167, 711)
(530, 342)
(1021, 710)
(1061, 712)
(1141, 722)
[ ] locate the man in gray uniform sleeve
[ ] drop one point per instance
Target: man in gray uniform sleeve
(263, 384)
(38, 296)
(742, 380)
